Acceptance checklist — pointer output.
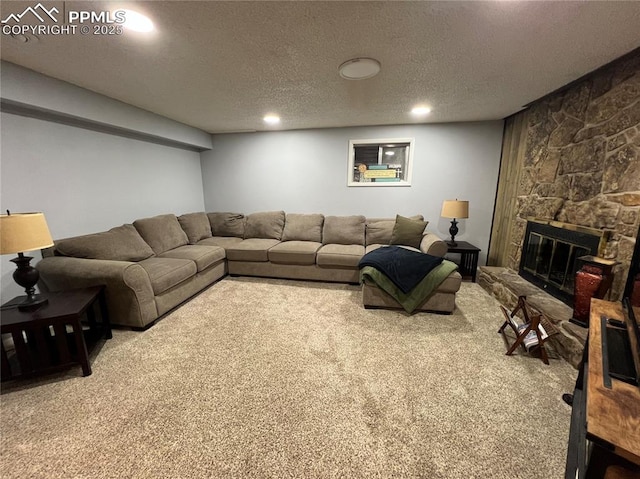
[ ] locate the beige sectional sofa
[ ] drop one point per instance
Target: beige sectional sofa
(154, 264)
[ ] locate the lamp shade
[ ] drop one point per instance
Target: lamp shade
(455, 209)
(22, 232)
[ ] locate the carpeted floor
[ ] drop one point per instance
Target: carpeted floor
(263, 378)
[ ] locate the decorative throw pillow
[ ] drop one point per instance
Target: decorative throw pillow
(408, 232)
(196, 225)
(122, 243)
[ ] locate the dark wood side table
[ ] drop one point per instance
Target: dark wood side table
(468, 258)
(52, 336)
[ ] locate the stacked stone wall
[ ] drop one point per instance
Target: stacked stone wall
(582, 162)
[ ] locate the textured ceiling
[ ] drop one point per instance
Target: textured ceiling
(221, 66)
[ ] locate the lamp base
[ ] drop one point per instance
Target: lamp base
(31, 303)
(27, 277)
(453, 231)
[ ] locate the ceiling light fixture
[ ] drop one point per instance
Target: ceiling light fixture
(421, 110)
(272, 119)
(137, 22)
(359, 69)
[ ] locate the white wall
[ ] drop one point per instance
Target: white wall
(305, 171)
(85, 181)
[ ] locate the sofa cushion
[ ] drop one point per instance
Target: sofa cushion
(222, 241)
(371, 247)
(122, 243)
(340, 255)
(379, 232)
(347, 230)
(196, 226)
(227, 224)
(408, 232)
(294, 252)
(203, 256)
(267, 224)
(303, 227)
(162, 232)
(253, 249)
(165, 273)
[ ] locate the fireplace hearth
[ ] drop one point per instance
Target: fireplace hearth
(551, 252)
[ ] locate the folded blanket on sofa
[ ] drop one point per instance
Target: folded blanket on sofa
(405, 267)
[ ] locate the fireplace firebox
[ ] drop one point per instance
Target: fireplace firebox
(550, 253)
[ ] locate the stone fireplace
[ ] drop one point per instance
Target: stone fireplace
(572, 157)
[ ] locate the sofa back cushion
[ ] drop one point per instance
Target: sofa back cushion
(380, 230)
(161, 232)
(303, 227)
(268, 225)
(122, 243)
(196, 226)
(343, 230)
(227, 224)
(408, 232)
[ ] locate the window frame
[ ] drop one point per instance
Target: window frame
(380, 142)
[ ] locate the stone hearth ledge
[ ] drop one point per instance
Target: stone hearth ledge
(506, 285)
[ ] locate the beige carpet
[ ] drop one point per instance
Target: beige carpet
(273, 379)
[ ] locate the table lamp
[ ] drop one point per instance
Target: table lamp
(454, 209)
(22, 232)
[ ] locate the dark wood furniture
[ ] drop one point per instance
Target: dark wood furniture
(531, 323)
(52, 337)
(604, 439)
(468, 258)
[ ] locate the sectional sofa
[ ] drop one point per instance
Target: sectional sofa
(155, 264)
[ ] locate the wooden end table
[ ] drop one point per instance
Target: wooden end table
(468, 258)
(52, 337)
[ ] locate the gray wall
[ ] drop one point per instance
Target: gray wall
(85, 180)
(305, 171)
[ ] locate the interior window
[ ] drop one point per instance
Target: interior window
(382, 162)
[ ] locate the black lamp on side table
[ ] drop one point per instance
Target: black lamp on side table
(454, 209)
(22, 232)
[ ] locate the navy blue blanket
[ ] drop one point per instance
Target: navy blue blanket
(404, 267)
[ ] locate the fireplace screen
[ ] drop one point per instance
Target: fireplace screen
(549, 255)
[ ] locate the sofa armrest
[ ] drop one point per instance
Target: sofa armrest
(130, 298)
(433, 245)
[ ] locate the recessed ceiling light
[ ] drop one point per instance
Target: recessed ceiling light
(137, 22)
(421, 110)
(359, 69)
(389, 153)
(272, 119)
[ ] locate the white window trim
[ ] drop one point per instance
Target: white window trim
(379, 141)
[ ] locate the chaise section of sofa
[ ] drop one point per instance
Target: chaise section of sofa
(148, 268)
(383, 231)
